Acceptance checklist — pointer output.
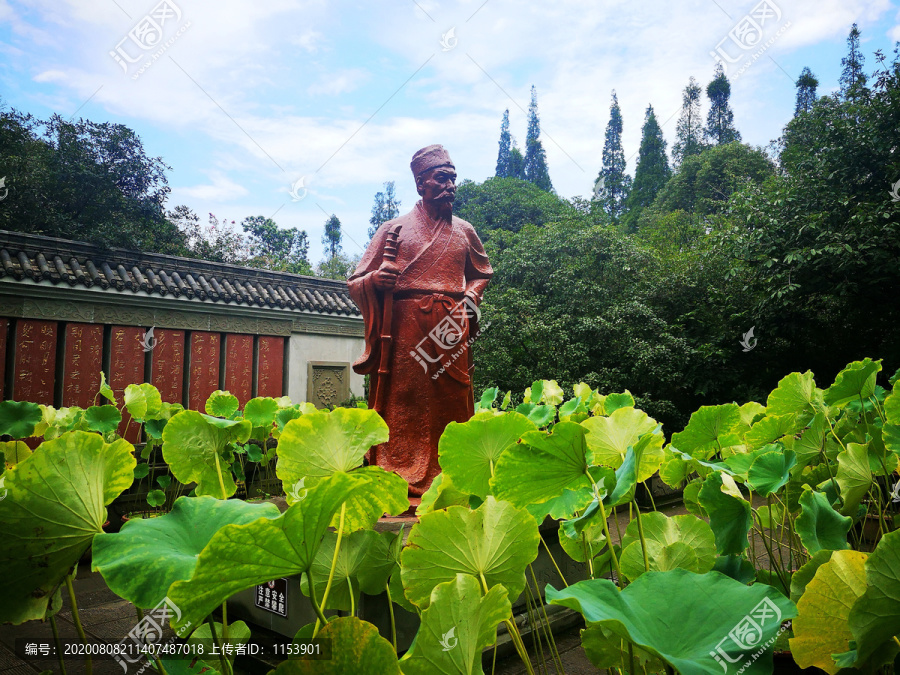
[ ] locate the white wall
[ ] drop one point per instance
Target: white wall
(306, 347)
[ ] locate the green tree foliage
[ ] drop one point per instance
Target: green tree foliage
(516, 162)
(84, 180)
(506, 204)
(720, 118)
(503, 158)
(340, 266)
(819, 242)
(217, 241)
(652, 172)
(535, 158)
(331, 239)
(689, 131)
(616, 184)
(853, 78)
(276, 248)
(386, 207)
(806, 91)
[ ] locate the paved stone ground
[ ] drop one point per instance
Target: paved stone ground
(108, 618)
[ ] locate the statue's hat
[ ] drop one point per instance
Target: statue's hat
(428, 158)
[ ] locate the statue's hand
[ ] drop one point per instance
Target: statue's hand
(385, 279)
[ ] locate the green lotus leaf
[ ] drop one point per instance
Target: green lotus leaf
(875, 617)
(469, 451)
(495, 542)
(709, 430)
(821, 627)
(666, 540)
(613, 402)
(535, 392)
(319, 444)
(812, 441)
(571, 501)
(695, 464)
(458, 624)
(180, 665)
(794, 395)
(507, 399)
(440, 495)
(552, 393)
(819, 526)
(18, 418)
(488, 398)
(801, 578)
(853, 476)
(105, 390)
(238, 634)
(739, 463)
(539, 415)
(691, 495)
(855, 381)
(262, 410)
(382, 561)
(194, 445)
(729, 514)
(242, 556)
(750, 412)
(356, 648)
(582, 545)
(735, 566)
(102, 418)
(674, 471)
(609, 438)
(352, 558)
(382, 492)
(222, 404)
(714, 607)
(542, 466)
(156, 498)
(771, 471)
(14, 452)
(55, 503)
(143, 401)
(573, 410)
(770, 429)
(141, 561)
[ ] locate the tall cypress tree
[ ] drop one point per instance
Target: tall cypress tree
(689, 131)
(616, 183)
(853, 79)
(806, 91)
(652, 170)
(503, 154)
(516, 162)
(720, 119)
(385, 208)
(331, 240)
(535, 159)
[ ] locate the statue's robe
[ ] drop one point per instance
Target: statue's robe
(442, 263)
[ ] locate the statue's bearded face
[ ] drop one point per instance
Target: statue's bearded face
(437, 185)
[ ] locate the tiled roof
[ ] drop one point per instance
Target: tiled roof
(61, 261)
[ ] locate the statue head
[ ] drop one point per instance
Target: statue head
(435, 175)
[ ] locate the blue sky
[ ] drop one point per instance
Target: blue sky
(246, 98)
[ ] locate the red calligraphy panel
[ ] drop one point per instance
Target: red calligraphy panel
(4, 330)
(239, 366)
(81, 364)
(203, 378)
(34, 370)
(270, 377)
(167, 364)
(126, 366)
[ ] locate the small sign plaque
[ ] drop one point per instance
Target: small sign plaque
(272, 597)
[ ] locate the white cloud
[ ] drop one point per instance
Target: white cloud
(221, 189)
(341, 82)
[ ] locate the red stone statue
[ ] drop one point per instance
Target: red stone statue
(418, 286)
